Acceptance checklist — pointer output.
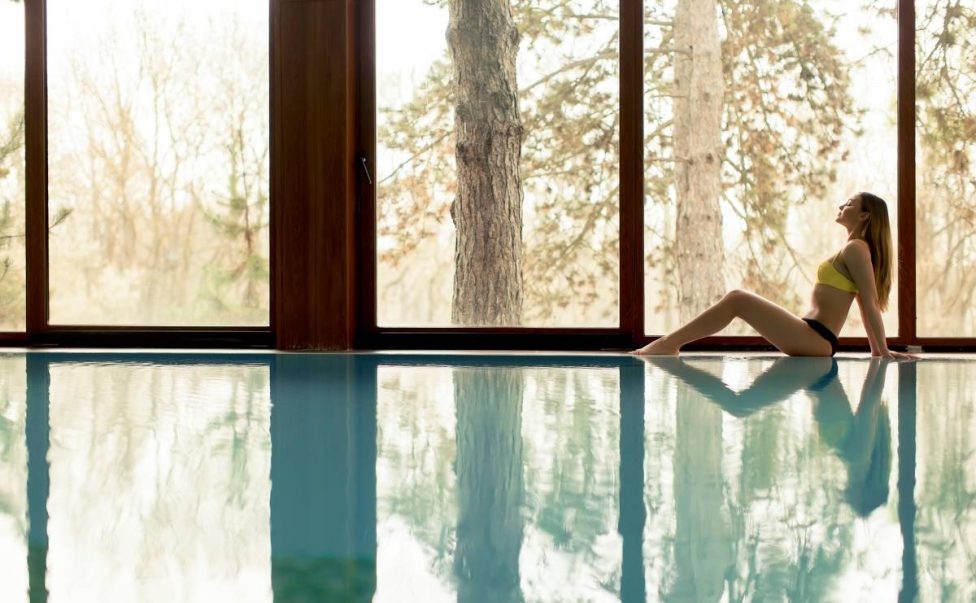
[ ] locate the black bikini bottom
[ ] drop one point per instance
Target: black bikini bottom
(823, 332)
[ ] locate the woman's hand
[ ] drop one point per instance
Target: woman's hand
(892, 355)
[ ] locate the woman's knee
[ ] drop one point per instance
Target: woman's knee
(735, 297)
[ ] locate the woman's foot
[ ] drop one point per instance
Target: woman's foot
(659, 347)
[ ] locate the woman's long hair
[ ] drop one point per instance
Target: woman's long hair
(877, 234)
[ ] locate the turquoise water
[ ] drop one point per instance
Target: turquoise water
(279, 477)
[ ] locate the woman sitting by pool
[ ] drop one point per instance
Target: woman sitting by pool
(861, 270)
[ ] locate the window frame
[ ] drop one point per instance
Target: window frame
(39, 330)
(360, 298)
(630, 332)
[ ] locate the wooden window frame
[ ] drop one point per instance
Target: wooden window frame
(630, 332)
(351, 267)
(39, 331)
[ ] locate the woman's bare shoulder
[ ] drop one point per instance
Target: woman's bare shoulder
(856, 249)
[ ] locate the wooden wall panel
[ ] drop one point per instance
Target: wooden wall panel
(313, 182)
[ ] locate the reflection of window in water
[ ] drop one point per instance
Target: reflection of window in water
(497, 479)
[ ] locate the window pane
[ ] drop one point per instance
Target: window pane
(779, 113)
(158, 162)
(563, 186)
(945, 235)
(12, 267)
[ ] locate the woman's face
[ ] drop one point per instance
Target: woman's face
(850, 213)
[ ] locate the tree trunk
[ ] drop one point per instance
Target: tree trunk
(487, 211)
(489, 484)
(698, 154)
(702, 537)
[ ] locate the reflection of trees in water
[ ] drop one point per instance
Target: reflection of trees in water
(569, 464)
(572, 465)
(415, 455)
(791, 534)
(186, 448)
(567, 453)
(702, 539)
(946, 488)
(13, 474)
(489, 484)
(788, 526)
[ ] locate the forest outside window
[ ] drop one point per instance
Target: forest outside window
(158, 162)
(945, 159)
(497, 199)
(12, 168)
(760, 118)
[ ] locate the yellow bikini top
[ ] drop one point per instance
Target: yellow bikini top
(828, 275)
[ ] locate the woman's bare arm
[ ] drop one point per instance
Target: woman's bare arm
(857, 257)
(875, 350)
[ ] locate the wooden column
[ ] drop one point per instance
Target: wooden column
(35, 134)
(907, 313)
(313, 177)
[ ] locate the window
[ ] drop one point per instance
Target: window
(158, 162)
(12, 169)
(760, 119)
(533, 240)
(945, 131)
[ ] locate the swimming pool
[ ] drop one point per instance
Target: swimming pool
(467, 477)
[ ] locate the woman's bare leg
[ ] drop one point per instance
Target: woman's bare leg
(788, 333)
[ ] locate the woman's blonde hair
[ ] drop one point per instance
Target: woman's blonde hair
(877, 234)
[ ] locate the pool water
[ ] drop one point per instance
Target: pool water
(485, 478)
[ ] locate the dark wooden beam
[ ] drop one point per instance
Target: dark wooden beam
(631, 218)
(35, 131)
(366, 150)
(906, 172)
(313, 197)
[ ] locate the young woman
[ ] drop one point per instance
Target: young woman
(861, 270)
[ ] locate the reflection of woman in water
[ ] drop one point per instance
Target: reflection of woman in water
(860, 271)
(862, 439)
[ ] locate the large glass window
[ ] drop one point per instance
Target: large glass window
(12, 259)
(760, 119)
(158, 162)
(945, 173)
(524, 230)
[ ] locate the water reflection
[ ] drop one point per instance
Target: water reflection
(779, 513)
(323, 479)
(394, 478)
(862, 439)
(489, 482)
